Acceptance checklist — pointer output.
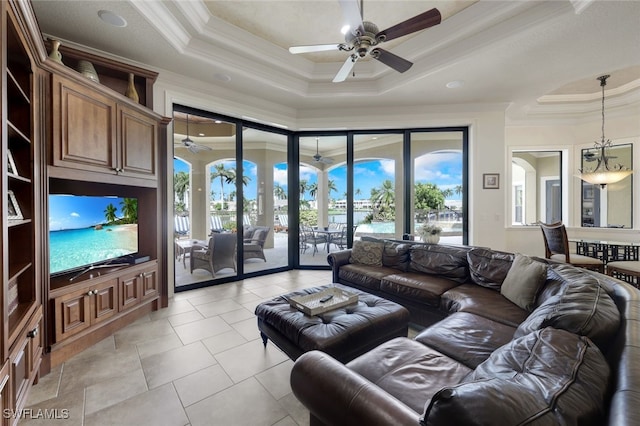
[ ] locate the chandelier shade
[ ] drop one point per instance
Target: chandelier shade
(603, 174)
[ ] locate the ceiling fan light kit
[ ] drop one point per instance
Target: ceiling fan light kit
(364, 37)
(191, 145)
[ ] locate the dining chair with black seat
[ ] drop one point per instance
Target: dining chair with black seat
(556, 244)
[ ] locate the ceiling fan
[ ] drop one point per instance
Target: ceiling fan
(363, 38)
(191, 145)
(319, 158)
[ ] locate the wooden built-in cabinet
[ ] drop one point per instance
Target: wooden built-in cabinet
(95, 132)
(20, 338)
(62, 133)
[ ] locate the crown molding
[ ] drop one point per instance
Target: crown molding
(590, 97)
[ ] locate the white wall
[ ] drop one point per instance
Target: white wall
(574, 136)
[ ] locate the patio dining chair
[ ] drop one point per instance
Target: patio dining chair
(311, 239)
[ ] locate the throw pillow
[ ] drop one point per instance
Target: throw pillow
(394, 255)
(367, 253)
(523, 281)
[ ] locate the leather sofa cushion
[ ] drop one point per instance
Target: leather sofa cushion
(367, 277)
(435, 259)
(489, 268)
(416, 287)
(396, 255)
(583, 307)
(409, 371)
(467, 338)
(548, 377)
(481, 301)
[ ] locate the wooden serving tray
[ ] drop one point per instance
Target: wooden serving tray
(311, 305)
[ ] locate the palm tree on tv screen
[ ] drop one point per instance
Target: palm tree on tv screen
(110, 213)
(130, 209)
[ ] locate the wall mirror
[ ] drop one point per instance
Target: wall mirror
(536, 187)
(611, 206)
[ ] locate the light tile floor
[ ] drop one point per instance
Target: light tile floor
(198, 362)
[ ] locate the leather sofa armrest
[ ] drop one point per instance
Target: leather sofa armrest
(338, 396)
(336, 260)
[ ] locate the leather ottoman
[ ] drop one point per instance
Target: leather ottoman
(343, 333)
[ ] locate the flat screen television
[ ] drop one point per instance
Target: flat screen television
(86, 231)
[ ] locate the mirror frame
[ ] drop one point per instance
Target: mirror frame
(587, 189)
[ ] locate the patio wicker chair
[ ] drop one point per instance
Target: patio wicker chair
(220, 253)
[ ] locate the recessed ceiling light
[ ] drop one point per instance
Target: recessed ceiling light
(200, 134)
(112, 18)
(217, 121)
(221, 77)
(455, 84)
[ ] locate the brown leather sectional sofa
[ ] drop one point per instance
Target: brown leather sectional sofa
(572, 358)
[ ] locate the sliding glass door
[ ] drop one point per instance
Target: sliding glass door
(230, 199)
(322, 196)
(204, 219)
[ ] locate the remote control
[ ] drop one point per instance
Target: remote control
(326, 298)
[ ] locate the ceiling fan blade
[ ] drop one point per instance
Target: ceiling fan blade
(346, 69)
(389, 59)
(326, 160)
(419, 22)
(351, 14)
(314, 48)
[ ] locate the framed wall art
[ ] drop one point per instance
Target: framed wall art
(491, 181)
(13, 208)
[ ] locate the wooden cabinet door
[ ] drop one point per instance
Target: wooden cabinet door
(84, 127)
(5, 395)
(35, 337)
(19, 372)
(149, 283)
(129, 290)
(104, 302)
(72, 313)
(138, 136)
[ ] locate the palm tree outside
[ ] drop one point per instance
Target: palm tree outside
(181, 185)
(220, 171)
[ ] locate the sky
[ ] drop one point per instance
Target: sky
(75, 212)
(441, 168)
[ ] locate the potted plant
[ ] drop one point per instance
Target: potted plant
(429, 232)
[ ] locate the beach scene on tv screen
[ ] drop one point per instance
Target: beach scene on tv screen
(85, 230)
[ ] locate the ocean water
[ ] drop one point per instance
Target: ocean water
(77, 247)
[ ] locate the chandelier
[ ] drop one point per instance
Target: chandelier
(603, 173)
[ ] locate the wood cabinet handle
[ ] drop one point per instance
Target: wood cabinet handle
(33, 333)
